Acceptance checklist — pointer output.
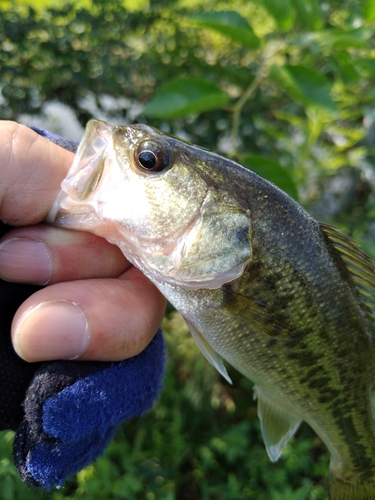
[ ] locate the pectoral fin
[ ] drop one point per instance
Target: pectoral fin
(212, 356)
(269, 320)
(277, 425)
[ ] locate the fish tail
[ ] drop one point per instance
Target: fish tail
(351, 485)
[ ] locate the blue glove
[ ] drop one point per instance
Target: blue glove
(71, 409)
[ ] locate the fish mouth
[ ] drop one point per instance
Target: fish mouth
(73, 205)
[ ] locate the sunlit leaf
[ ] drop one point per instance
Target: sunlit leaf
(185, 96)
(281, 11)
(369, 11)
(230, 24)
(309, 13)
(273, 172)
(39, 5)
(342, 39)
(304, 85)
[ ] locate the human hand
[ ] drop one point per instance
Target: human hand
(92, 291)
(71, 408)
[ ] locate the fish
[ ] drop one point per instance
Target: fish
(286, 300)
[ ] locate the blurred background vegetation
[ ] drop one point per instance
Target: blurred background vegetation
(285, 87)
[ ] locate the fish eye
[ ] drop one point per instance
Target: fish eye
(152, 156)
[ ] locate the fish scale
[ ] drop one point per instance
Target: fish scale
(286, 300)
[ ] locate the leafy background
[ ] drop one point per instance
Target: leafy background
(285, 87)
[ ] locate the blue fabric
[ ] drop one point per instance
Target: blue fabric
(57, 139)
(80, 420)
(51, 464)
(106, 398)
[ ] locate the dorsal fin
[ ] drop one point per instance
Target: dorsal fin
(360, 265)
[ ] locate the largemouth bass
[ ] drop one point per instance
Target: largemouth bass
(287, 301)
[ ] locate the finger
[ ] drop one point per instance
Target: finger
(31, 170)
(99, 319)
(43, 255)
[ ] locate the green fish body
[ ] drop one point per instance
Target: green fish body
(287, 301)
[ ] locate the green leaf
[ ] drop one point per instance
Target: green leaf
(309, 13)
(369, 11)
(185, 96)
(281, 11)
(304, 85)
(230, 24)
(342, 39)
(273, 172)
(348, 68)
(367, 65)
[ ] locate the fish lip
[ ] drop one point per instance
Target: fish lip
(60, 214)
(83, 176)
(67, 212)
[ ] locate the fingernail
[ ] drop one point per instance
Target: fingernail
(25, 261)
(51, 330)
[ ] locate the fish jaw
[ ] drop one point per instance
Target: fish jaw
(72, 209)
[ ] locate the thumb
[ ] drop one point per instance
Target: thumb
(31, 171)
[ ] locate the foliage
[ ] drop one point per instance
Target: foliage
(286, 87)
(290, 81)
